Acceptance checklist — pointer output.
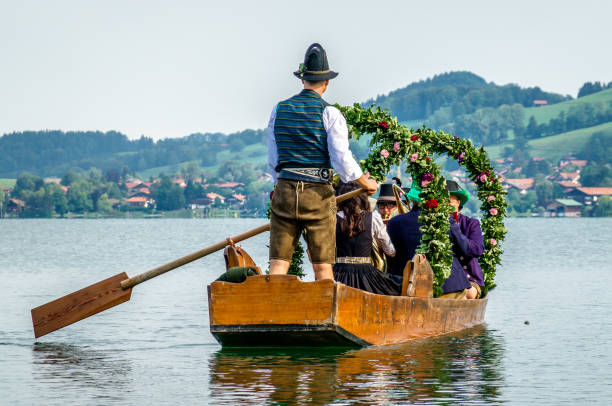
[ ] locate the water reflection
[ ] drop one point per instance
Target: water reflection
(461, 368)
(98, 374)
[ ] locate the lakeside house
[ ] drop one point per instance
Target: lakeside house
(563, 208)
(140, 201)
(15, 206)
(212, 197)
(589, 195)
(236, 200)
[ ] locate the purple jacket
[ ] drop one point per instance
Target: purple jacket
(468, 245)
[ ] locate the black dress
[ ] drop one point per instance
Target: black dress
(361, 276)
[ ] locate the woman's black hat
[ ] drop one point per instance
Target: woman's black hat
(315, 67)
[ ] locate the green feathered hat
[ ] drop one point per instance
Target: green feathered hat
(455, 190)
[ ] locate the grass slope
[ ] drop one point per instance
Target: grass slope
(546, 113)
(555, 146)
(255, 154)
(8, 183)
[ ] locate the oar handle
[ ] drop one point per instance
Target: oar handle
(349, 195)
(145, 276)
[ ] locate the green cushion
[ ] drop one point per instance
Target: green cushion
(237, 274)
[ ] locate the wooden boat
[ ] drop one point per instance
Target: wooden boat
(281, 310)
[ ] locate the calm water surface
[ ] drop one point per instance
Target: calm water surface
(157, 348)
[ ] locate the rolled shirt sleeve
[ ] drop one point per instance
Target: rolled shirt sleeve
(340, 155)
(272, 151)
(379, 232)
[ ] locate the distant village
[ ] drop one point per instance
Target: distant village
(195, 195)
(568, 197)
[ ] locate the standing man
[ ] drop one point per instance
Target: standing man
(306, 138)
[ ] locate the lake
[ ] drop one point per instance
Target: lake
(156, 349)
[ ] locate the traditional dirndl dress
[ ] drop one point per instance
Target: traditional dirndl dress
(353, 266)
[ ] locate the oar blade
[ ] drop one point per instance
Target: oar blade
(79, 305)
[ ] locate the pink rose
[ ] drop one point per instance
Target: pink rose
(491, 197)
(493, 211)
(396, 146)
(384, 153)
(414, 157)
(482, 177)
(493, 241)
(425, 183)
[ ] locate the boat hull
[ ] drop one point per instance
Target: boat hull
(281, 310)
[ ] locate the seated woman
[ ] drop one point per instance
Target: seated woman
(468, 244)
(356, 226)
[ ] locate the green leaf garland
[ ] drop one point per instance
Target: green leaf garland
(393, 143)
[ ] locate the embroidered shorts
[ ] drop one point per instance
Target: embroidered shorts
(303, 206)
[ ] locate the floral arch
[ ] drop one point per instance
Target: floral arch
(393, 143)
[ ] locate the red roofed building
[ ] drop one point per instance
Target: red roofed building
(569, 186)
(579, 162)
(521, 184)
(229, 184)
(214, 196)
(539, 103)
(140, 201)
(132, 185)
(236, 200)
(15, 206)
(588, 195)
(180, 182)
(571, 176)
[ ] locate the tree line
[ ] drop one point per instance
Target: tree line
(48, 153)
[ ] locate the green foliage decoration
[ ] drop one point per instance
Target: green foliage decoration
(393, 143)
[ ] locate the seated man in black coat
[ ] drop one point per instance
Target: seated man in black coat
(405, 234)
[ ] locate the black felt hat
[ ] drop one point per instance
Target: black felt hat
(386, 193)
(315, 67)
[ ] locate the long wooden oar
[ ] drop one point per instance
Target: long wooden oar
(118, 289)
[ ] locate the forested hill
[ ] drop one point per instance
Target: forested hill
(461, 92)
(52, 153)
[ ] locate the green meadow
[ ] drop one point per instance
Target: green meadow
(547, 113)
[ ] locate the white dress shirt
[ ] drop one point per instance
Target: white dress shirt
(340, 155)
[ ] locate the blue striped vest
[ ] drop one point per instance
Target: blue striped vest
(301, 139)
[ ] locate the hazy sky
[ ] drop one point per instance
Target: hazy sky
(171, 68)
